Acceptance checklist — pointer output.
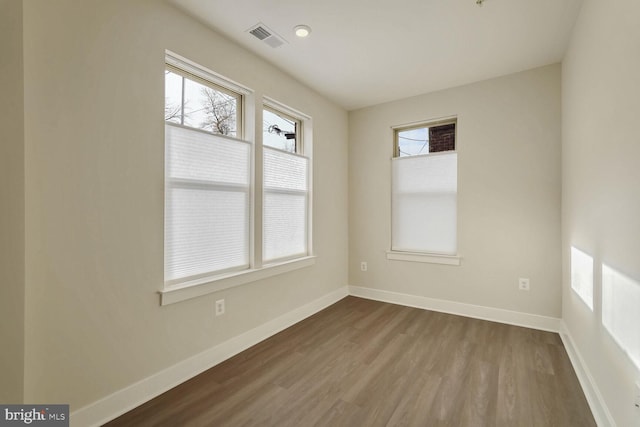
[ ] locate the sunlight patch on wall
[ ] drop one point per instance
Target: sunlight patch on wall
(621, 311)
(582, 276)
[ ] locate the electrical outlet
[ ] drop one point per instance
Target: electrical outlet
(523, 284)
(363, 266)
(220, 307)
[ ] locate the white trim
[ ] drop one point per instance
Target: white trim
(434, 154)
(591, 391)
(305, 150)
(534, 321)
(427, 123)
(207, 285)
(198, 70)
(124, 400)
(279, 106)
(423, 257)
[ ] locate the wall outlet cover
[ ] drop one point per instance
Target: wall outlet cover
(220, 308)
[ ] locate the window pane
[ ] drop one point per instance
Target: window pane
(425, 140)
(279, 131)
(209, 109)
(172, 97)
(413, 141)
(442, 138)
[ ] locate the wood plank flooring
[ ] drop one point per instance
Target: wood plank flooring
(366, 363)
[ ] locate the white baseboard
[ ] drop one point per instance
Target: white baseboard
(591, 391)
(121, 401)
(509, 317)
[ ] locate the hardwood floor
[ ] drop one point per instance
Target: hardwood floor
(366, 363)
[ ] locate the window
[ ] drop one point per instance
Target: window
(285, 186)
(280, 130)
(207, 179)
(197, 103)
(425, 139)
(216, 233)
(424, 189)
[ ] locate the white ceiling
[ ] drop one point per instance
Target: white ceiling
(365, 52)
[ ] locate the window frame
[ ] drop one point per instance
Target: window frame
(431, 257)
(239, 97)
(304, 150)
(208, 77)
(188, 70)
(249, 115)
(422, 125)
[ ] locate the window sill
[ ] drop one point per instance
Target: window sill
(424, 257)
(208, 285)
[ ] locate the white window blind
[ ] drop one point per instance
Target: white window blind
(424, 199)
(286, 192)
(207, 190)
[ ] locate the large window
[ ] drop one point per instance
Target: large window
(286, 186)
(207, 179)
(424, 189)
(214, 229)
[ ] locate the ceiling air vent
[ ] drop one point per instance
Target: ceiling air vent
(268, 36)
(260, 33)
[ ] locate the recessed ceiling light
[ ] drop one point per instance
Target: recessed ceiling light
(302, 30)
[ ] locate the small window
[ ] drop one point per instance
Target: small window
(281, 131)
(196, 103)
(426, 139)
(424, 189)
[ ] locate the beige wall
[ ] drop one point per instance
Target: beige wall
(11, 203)
(508, 194)
(94, 85)
(601, 180)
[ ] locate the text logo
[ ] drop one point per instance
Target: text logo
(34, 415)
